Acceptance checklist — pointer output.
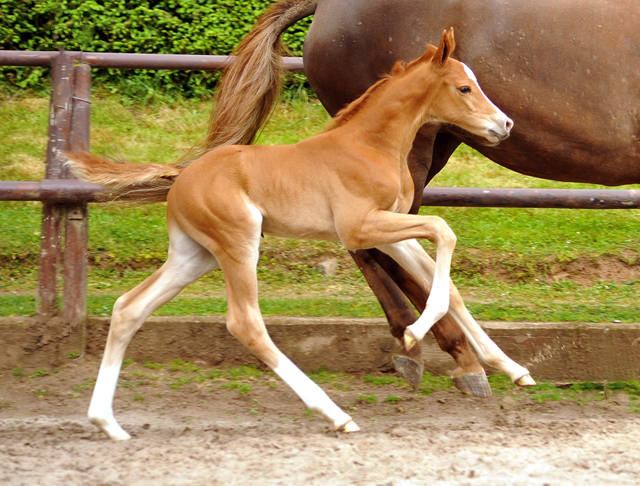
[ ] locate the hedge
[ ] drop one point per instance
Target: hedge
(146, 26)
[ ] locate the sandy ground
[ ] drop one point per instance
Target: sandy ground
(208, 433)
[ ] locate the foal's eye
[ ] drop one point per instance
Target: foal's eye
(464, 89)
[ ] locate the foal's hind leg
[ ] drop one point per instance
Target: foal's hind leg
(187, 262)
(411, 256)
(244, 319)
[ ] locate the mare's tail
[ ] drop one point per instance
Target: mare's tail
(246, 96)
(251, 86)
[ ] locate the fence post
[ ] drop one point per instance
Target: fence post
(59, 128)
(77, 222)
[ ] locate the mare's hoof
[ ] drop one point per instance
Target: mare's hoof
(411, 369)
(473, 384)
(525, 380)
(349, 427)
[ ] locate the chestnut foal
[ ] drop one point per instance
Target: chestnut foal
(350, 183)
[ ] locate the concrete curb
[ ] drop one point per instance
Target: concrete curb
(551, 351)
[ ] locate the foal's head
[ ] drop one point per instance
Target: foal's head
(456, 97)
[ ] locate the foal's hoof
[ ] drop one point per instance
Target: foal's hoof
(110, 427)
(409, 339)
(525, 380)
(411, 369)
(349, 427)
(475, 384)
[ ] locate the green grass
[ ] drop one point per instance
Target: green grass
(510, 264)
(375, 389)
(580, 392)
(242, 388)
(381, 380)
(368, 398)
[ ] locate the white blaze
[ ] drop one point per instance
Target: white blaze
(473, 78)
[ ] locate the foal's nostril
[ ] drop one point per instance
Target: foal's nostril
(509, 124)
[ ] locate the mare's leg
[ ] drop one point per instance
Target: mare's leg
(187, 262)
(244, 321)
(379, 269)
(469, 376)
(411, 256)
(398, 311)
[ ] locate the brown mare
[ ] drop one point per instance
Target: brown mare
(565, 71)
(350, 183)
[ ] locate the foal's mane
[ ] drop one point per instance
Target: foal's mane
(352, 109)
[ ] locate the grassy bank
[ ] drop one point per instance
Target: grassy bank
(144, 380)
(548, 265)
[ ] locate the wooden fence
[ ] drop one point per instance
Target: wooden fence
(65, 198)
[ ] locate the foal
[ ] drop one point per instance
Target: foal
(350, 183)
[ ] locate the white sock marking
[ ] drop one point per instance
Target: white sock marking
(311, 394)
(101, 408)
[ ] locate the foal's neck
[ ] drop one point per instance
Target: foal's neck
(390, 120)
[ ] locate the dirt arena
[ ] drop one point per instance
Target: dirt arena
(253, 430)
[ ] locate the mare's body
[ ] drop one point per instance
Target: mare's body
(564, 71)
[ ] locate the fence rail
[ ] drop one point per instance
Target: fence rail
(75, 191)
(470, 197)
(65, 198)
(185, 62)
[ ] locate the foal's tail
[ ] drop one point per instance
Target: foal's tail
(246, 96)
(141, 183)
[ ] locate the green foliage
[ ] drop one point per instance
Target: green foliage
(245, 372)
(151, 365)
(87, 384)
(430, 383)
(581, 392)
(506, 262)
(146, 26)
(322, 376)
(182, 380)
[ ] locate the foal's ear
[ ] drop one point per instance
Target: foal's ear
(428, 54)
(446, 47)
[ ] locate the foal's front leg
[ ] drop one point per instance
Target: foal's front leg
(395, 235)
(469, 376)
(411, 256)
(383, 228)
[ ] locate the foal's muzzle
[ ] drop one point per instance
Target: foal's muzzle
(501, 130)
